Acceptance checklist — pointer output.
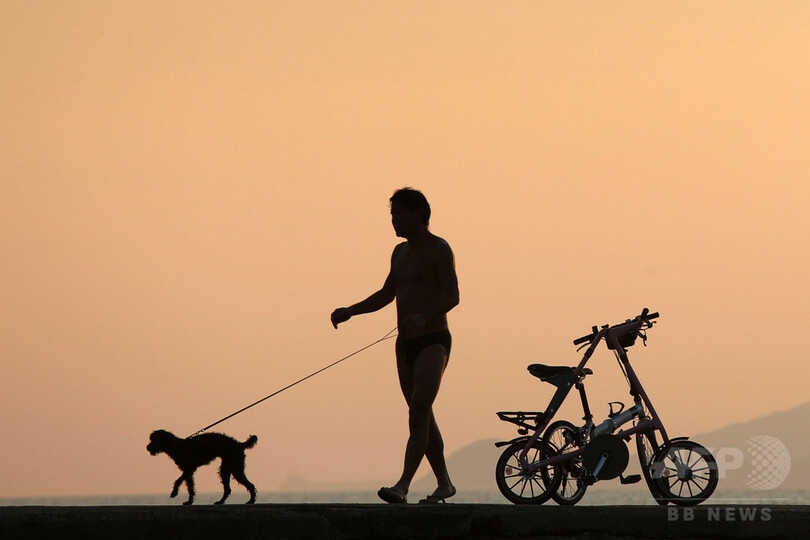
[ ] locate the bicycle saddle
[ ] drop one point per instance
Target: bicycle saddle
(544, 372)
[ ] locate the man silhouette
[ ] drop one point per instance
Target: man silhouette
(423, 281)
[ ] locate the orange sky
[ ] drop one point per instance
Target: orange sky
(190, 188)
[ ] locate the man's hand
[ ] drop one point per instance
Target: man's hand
(340, 315)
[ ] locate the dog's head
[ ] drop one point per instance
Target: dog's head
(160, 441)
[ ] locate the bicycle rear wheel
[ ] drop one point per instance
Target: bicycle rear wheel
(564, 437)
(685, 473)
(520, 487)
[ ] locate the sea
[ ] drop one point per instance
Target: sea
(595, 497)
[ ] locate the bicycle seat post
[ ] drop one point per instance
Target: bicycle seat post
(580, 385)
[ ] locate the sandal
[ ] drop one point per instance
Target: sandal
(392, 496)
(436, 499)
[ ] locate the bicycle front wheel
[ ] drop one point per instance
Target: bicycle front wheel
(685, 473)
(647, 447)
(523, 487)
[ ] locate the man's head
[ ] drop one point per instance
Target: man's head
(412, 200)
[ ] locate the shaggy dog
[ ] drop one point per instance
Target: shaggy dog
(188, 454)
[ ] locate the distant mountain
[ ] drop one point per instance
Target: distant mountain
(472, 468)
(755, 454)
(764, 453)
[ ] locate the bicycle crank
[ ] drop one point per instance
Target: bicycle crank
(605, 457)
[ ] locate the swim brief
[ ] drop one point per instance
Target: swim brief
(411, 347)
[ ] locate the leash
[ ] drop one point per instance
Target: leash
(389, 335)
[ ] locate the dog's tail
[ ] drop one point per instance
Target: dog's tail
(251, 442)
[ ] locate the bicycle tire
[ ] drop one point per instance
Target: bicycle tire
(685, 473)
(563, 436)
(647, 447)
(519, 488)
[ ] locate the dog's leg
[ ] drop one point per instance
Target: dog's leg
(242, 479)
(225, 476)
(176, 487)
(189, 478)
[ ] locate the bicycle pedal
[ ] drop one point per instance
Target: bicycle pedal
(630, 479)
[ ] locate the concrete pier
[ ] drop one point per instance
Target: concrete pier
(367, 521)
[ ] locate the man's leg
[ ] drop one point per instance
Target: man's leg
(435, 456)
(425, 379)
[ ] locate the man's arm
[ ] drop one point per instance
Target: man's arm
(375, 302)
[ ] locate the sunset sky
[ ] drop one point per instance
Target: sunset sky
(188, 189)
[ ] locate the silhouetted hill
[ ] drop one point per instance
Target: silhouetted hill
(752, 442)
(472, 468)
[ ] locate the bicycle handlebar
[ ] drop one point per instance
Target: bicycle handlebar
(645, 316)
(585, 339)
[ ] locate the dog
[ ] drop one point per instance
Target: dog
(188, 454)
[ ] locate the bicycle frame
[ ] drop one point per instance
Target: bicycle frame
(564, 383)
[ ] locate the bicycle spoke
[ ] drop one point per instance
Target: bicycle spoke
(701, 478)
(531, 487)
(688, 457)
(528, 482)
(523, 482)
(570, 487)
